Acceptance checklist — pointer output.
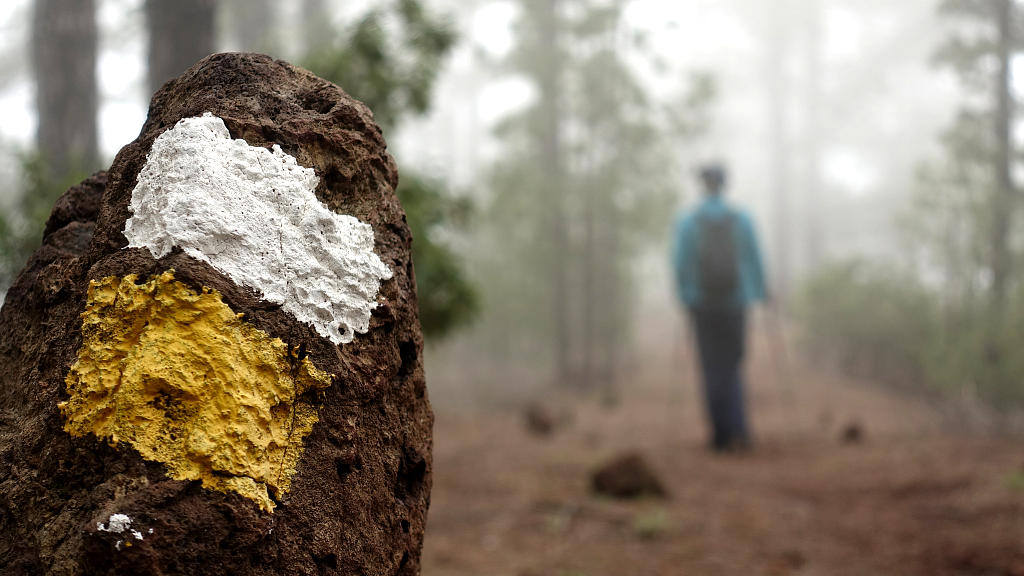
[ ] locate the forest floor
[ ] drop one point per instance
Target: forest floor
(920, 493)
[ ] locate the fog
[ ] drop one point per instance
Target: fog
(548, 152)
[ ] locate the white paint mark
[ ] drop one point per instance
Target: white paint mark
(251, 213)
(117, 523)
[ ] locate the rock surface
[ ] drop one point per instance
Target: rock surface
(86, 494)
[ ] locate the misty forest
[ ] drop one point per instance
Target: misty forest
(550, 154)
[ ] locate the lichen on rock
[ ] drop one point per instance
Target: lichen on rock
(178, 376)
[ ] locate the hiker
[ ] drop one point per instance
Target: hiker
(718, 272)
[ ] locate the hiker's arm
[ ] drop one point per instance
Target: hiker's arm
(756, 263)
(682, 261)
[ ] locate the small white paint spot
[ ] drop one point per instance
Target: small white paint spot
(252, 214)
(117, 523)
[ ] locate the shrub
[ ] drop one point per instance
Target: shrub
(875, 321)
(872, 320)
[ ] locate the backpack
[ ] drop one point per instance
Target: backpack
(718, 265)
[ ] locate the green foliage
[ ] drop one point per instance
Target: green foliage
(970, 53)
(968, 356)
(882, 323)
(652, 524)
(948, 228)
(21, 228)
(951, 323)
(872, 320)
(1015, 481)
(447, 299)
(389, 59)
(961, 201)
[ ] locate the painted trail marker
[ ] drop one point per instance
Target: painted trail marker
(253, 214)
(213, 363)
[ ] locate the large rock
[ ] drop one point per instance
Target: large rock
(213, 363)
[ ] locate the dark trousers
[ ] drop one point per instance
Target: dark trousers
(721, 337)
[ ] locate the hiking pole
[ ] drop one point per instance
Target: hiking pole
(675, 380)
(778, 350)
(686, 371)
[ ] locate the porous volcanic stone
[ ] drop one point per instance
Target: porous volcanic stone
(357, 501)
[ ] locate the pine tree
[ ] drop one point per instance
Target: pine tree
(979, 143)
(250, 24)
(64, 46)
(582, 185)
(181, 32)
(966, 206)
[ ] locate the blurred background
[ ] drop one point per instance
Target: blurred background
(545, 148)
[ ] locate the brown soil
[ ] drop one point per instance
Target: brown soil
(915, 495)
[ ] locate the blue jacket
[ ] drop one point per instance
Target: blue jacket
(684, 254)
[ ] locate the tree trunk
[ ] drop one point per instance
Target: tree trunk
(811, 140)
(316, 27)
(64, 63)
(1002, 203)
(614, 305)
(780, 153)
(552, 165)
(591, 297)
(181, 32)
(251, 23)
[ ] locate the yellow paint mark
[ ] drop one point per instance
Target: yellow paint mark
(178, 376)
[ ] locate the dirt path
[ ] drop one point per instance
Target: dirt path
(911, 498)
